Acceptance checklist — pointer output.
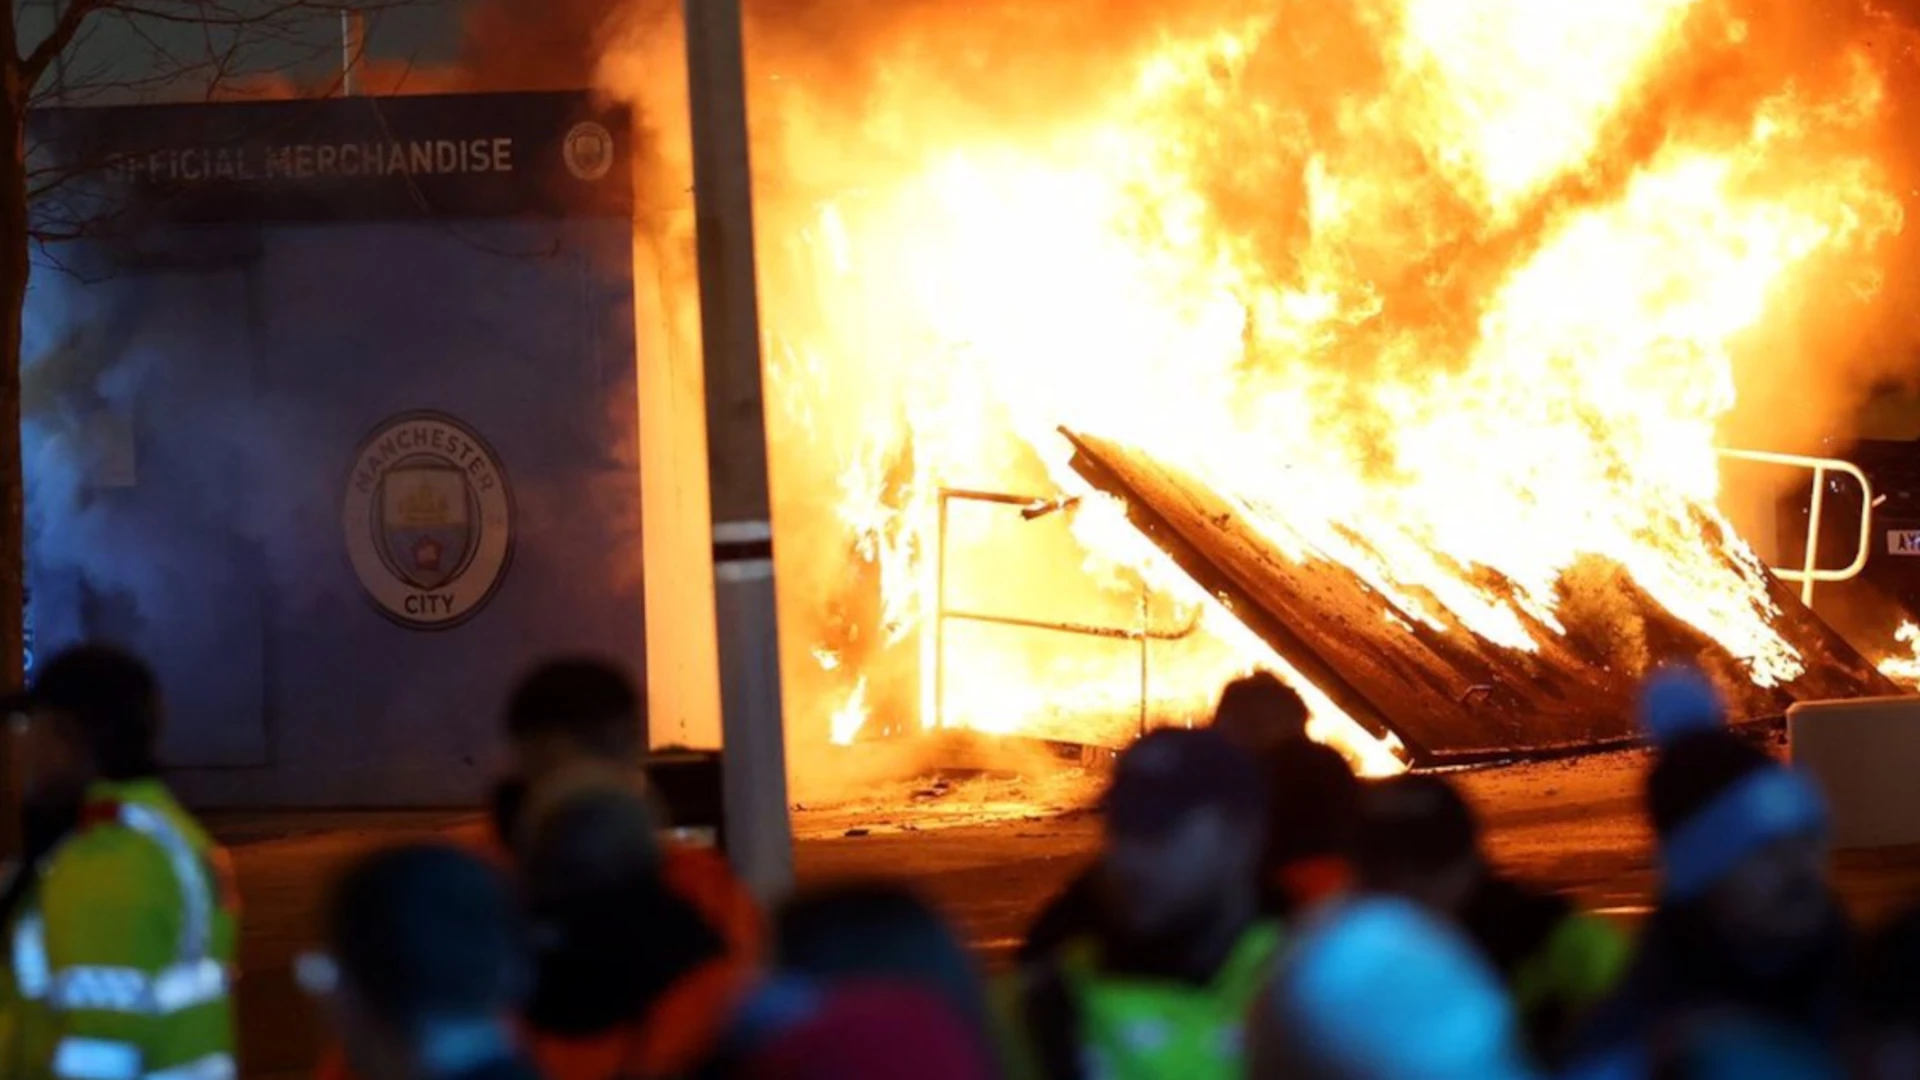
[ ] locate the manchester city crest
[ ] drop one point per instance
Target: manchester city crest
(429, 520)
(588, 150)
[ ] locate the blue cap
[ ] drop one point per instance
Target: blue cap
(1378, 989)
(1768, 805)
(1679, 700)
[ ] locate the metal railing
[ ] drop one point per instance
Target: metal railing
(1032, 508)
(1809, 572)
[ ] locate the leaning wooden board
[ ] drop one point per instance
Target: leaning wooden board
(1452, 695)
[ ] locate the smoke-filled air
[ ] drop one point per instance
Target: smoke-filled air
(1460, 294)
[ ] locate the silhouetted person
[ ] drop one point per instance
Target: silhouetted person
(879, 931)
(1181, 950)
(565, 713)
(426, 964)
(1746, 938)
(1313, 819)
(580, 713)
(611, 1004)
(1259, 712)
(123, 932)
(1419, 839)
(613, 937)
(1380, 988)
(869, 983)
(1311, 815)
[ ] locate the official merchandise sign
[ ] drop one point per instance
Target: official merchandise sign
(354, 158)
(428, 515)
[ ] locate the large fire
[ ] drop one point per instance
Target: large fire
(1447, 291)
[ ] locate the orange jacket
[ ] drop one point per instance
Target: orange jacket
(702, 878)
(680, 1029)
(674, 1037)
(1306, 882)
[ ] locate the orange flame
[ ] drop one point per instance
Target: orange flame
(1441, 289)
(849, 718)
(1904, 668)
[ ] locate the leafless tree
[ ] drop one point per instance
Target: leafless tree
(81, 52)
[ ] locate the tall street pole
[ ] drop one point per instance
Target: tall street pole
(753, 753)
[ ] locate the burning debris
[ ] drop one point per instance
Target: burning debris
(1904, 669)
(1447, 694)
(1439, 308)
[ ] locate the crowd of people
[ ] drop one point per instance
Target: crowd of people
(1255, 909)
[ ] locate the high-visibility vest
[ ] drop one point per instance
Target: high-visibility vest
(1579, 962)
(1130, 1028)
(122, 952)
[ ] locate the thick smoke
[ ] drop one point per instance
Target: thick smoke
(1804, 388)
(104, 363)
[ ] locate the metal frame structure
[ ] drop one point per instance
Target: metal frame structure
(1031, 508)
(1809, 571)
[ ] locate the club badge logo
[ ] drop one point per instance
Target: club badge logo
(429, 520)
(588, 150)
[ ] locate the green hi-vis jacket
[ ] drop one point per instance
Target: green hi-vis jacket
(1572, 970)
(121, 953)
(1123, 1028)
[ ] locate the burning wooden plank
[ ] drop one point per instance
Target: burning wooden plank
(1449, 694)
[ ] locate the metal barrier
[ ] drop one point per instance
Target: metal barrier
(1032, 509)
(1809, 571)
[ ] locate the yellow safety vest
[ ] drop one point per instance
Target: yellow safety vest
(121, 955)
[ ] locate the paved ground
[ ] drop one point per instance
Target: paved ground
(988, 851)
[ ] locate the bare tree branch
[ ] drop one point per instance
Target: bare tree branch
(71, 19)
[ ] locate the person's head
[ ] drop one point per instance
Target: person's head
(878, 931)
(1419, 839)
(571, 710)
(1313, 816)
(1185, 819)
(586, 828)
(611, 935)
(426, 960)
(1743, 839)
(1378, 988)
(1259, 712)
(95, 715)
